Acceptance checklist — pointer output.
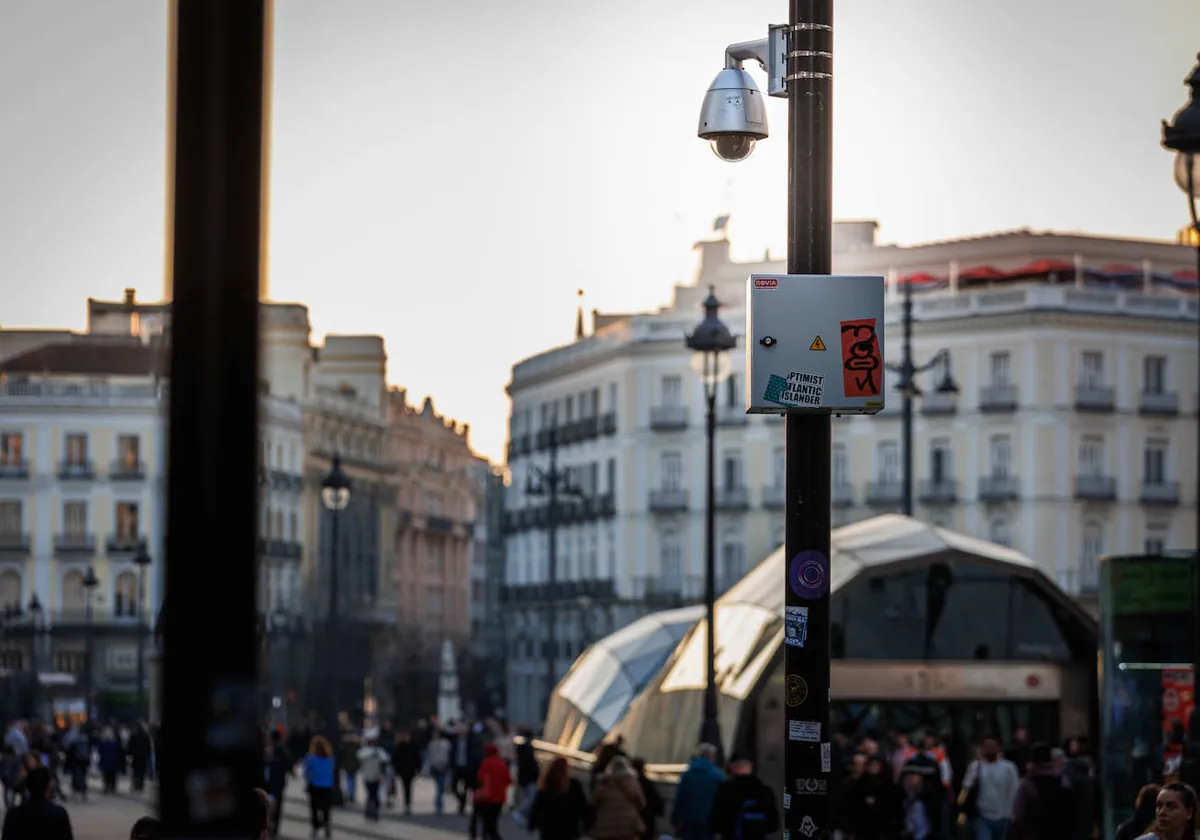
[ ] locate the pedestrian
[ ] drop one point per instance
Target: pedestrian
(372, 767)
(78, 761)
(139, 748)
(559, 809)
(318, 772)
(743, 807)
(406, 764)
(609, 750)
(1043, 808)
(492, 782)
(1145, 806)
(874, 802)
(694, 795)
(527, 776)
(110, 758)
(37, 818)
(277, 765)
(988, 791)
(1174, 814)
(918, 822)
(617, 804)
(654, 803)
(437, 757)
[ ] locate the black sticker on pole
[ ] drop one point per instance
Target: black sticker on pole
(808, 575)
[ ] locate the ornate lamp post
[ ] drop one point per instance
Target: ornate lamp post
(90, 582)
(142, 561)
(335, 495)
(37, 626)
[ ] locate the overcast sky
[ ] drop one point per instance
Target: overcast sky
(457, 169)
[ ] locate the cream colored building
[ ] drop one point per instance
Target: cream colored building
(1073, 434)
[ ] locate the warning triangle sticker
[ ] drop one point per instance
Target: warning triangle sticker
(817, 344)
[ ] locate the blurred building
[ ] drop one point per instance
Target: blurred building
(484, 688)
(437, 505)
(1072, 435)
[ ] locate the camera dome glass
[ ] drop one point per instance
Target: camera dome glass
(732, 147)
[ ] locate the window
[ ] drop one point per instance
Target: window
(1154, 374)
(672, 390)
(1001, 455)
(568, 409)
(1091, 456)
(73, 593)
(433, 504)
(940, 469)
(1000, 367)
(10, 518)
(76, 450)
(888, 466)
(1000, 533)
(1091, 549)
(1156, 541)
(125, 596)
(671, 563)
(731, 471)
(840, 466)
(733, 562)
(293, 528)
(12, 449)
(612, 476)
(129, 451)
(731, 391)
(1154, 462)
(672, 471)
(127, 521)
(545, 412)
(75, 518)
(1091, 369)
(779, 466)
(612, 396)
(10, 588)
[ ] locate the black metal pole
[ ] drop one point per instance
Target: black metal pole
(809, 447)
(88, 688)
(710, 729)
(551, 650)
(210, 721)
(141, 644)
(333, 652)
(907, 385)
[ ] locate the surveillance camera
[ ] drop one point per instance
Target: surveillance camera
(734, 115)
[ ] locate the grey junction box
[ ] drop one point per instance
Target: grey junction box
(814, 344)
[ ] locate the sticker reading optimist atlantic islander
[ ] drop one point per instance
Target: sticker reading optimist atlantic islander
(808, 575)
(861, 364)
(795, 626)
(797, 691)
(799, 388)
(803, 730)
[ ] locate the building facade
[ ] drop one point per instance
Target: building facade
(1073, 433)
(438, 505)
(485, 685)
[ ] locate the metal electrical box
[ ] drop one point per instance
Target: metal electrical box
(814, 344)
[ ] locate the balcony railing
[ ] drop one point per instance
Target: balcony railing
(608, 423)
(75, 543)
(939, 491)
(124, 545)
(731, 498)
(589, 428)
(999, 488)
(936, 404)
(667, 500)
(1096, 488)
(14, 541)
(841, 494)
(76, 470)
(15, 468)
(282, 549)
(542, 439)
(1158, 404)
(438, 524)
(885, 493)
(606, 505)
(1094, 398)
(731, 415)
(563, 590)
(1165, 493)
(668, 590)
(668, 418)
(997, 398)
(774, 496)
(127, 469)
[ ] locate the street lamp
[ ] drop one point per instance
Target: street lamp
(90, 582)
(279, 629)
(335, 495)
(142, 561)
(709, 341)
(36, 615)
(909, 390)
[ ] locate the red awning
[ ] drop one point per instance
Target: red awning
(918, 279)
(982, 272)
(1042, 267)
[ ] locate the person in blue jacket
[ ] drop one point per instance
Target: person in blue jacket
(694, 795)
(318, 772)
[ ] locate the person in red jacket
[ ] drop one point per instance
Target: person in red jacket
(491, 791)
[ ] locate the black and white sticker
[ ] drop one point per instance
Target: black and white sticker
(803, 730)
(826, 762)
(807, 827)
(811, 787)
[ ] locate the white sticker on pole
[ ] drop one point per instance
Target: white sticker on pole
(826, 758)
(803, 730)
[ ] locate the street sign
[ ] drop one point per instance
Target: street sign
(790, 372)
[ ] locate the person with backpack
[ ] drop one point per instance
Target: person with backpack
(1043, 808)
(743, 807)
(692, 809)
(988, 791)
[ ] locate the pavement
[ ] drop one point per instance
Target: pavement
(110, 817)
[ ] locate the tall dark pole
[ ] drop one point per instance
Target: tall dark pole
(907, 390)
(141, 642)
(809, 447)
(333, 652)
(710, 729)
(210, 718)
(551, 649)
(89, 688)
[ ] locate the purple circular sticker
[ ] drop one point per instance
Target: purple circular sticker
(809, 574)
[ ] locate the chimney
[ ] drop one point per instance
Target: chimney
(130, 297)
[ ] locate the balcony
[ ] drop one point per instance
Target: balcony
(75, 470)
(438, 525)
(774, 496)
(524, 445)
(668, 591)
(999, 488)
(1158, 404)
(1096, 488)
(731, 416)
(285, 481)
(14, 542)
(75, 543)
(608, 423)
(589, 428)
(936, 404)
(938, 491)
(542, 440)
(124, 544)
(885, 493)
(127, 469)
(994, 399)
(668, 418)
(841, 494)
(606, 505)
(1094, 398)
(563, 590)
(731, 498)
(1159, 493)
(280, 549)
(668, 501)
(14, 468)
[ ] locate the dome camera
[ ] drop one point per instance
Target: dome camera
(734, 116)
